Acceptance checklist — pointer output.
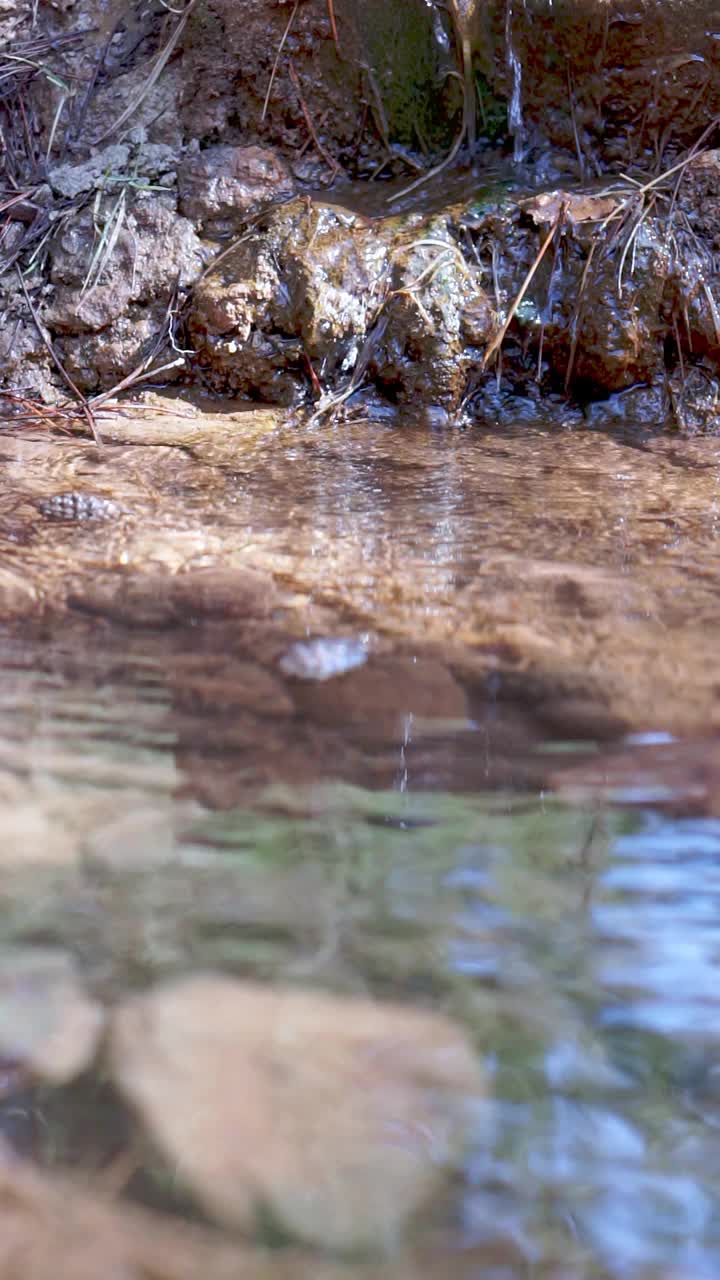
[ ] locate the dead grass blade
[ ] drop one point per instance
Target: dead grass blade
(575, 320)
(329, 160)
(330, 404)
(432, 173)
(144, 371)
(104, 249)
(278, 55)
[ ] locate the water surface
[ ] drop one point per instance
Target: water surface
(504, 808)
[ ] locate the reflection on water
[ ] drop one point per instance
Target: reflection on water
(608, 1125)
(580, 945)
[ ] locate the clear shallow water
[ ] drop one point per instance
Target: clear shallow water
(442, 825)
(612, 1130)
(580, 945)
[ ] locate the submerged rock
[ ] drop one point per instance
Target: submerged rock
(51, 1228)
(388, 698)
(49, 1027)
(160, 599)
(335, 1117)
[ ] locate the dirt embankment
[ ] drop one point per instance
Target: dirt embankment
(143, 142)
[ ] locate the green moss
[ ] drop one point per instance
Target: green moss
(422, 102)
(491, 110)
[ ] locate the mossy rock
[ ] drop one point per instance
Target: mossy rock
(408, 47)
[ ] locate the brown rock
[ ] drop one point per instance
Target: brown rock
(382, 695)
(210, 684)
(336, 1116)
(18, 596)
(231, 182)
(51, 1230)
(157, 600)
(227, 593)
(143, 601)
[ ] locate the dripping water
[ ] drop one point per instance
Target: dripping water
(514, 69)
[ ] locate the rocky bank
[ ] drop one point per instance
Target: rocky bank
(163, 204)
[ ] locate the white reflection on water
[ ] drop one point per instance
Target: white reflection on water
(615, 1141)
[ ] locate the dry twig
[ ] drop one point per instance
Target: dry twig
(498, 339)
(47, 343)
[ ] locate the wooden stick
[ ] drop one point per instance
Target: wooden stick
(329, 160)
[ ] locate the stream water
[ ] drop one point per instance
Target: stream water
(505, 808)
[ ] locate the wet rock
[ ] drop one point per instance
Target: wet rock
(102, 359)
(422, 356)
(384, 697)
(694, 399)
(158, 600)
(108, 168)
(323, 658)
(225, 593)
(336, 1117)
(319, 285)
(618, 334)
(699, 196)
(580, 718)
(155, 249)
(676, 777)
(692, 301)
(605, 93)
(221, 186)
(25, 366)
(590, 308)
(635, 406)
(49, 1027)
(203, 684)
(145, 601)
(303, 287)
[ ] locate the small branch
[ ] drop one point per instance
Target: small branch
(329, 160)
(82, 401)
(333, 26)
(276, 63)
